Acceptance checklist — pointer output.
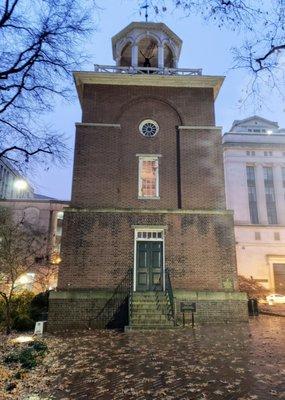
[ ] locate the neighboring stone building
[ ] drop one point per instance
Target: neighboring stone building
(148, 200)
(45, 216)
(254, 160)
(12, 184)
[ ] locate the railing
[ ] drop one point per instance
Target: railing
(147, 70)
(170, 297)
(115, 312)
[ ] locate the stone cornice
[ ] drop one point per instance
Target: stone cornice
(97, 124)
(147, 211)
(179, 81)
(185, 127)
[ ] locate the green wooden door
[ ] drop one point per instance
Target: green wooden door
(149, 265)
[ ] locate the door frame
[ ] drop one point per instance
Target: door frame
(273, 259)
(138, 233)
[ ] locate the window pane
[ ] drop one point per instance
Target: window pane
(148, 178)
(270, 195)
(252, 197)
(283, 176)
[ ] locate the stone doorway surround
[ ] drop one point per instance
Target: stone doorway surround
(271, 260)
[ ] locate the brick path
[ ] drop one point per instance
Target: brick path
(227, 362)
(276, 309)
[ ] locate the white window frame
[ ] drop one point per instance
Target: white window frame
(160, 229)
(143, 158)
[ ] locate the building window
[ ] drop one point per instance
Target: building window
(250, 153)
(268, 153)
(148, 177)
(276, 236)
(257, 235)
(283, 177)
(270, 195)
(252, 197)
(148, 128)
(149, 234)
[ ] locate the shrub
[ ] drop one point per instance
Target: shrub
(39, 347)
(23, 323)
(21, 303)
(252, 288)
(28, 357)
(39, 305)
(12, 357)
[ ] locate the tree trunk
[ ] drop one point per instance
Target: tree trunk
(8, 317)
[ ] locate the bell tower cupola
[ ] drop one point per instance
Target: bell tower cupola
(146, 45)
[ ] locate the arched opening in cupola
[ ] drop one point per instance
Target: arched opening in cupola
(126, 55)
(169, 61)
(148, 53)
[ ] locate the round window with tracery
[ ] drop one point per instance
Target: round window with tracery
(148, 128)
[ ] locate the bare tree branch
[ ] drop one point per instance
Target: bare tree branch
(38, 51)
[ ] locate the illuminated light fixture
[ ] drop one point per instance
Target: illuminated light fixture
(26, 278)
(55, 259)
(269, 132)
(23, 339)
(20, 184)
(23, 279)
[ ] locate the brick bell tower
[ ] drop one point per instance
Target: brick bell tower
(148, 227)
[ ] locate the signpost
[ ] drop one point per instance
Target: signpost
(39, 328)
(186, 306)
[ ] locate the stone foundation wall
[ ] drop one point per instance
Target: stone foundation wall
(75, 310)
(213, 307)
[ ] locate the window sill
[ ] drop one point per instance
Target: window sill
(148, 198)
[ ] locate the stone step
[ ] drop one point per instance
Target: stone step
(150, 327)
(154, 318)
(149, 312)
(146, 298)
(149, 304)
(148, 295)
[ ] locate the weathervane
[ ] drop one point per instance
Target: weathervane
(146, 6)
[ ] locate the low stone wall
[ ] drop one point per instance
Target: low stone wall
(77, 309)
(213, 307)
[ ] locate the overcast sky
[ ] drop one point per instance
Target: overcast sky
(204, 46)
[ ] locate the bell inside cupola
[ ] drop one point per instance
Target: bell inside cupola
(146, 45)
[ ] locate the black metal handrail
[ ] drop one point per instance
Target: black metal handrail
(170, 296)
(114, 303)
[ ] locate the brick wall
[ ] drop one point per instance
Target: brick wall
(98, 249)
(109, 103)
(106, 161)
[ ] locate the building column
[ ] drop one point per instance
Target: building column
(160, 56)
(260, 191)
(135, 55)
(279, 194)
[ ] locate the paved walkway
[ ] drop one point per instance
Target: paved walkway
(275, 309)
(227, 362)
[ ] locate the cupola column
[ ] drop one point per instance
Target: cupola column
(160, 56)
(135, 55)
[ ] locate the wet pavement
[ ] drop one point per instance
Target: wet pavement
(275, 309)
(229, 362)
